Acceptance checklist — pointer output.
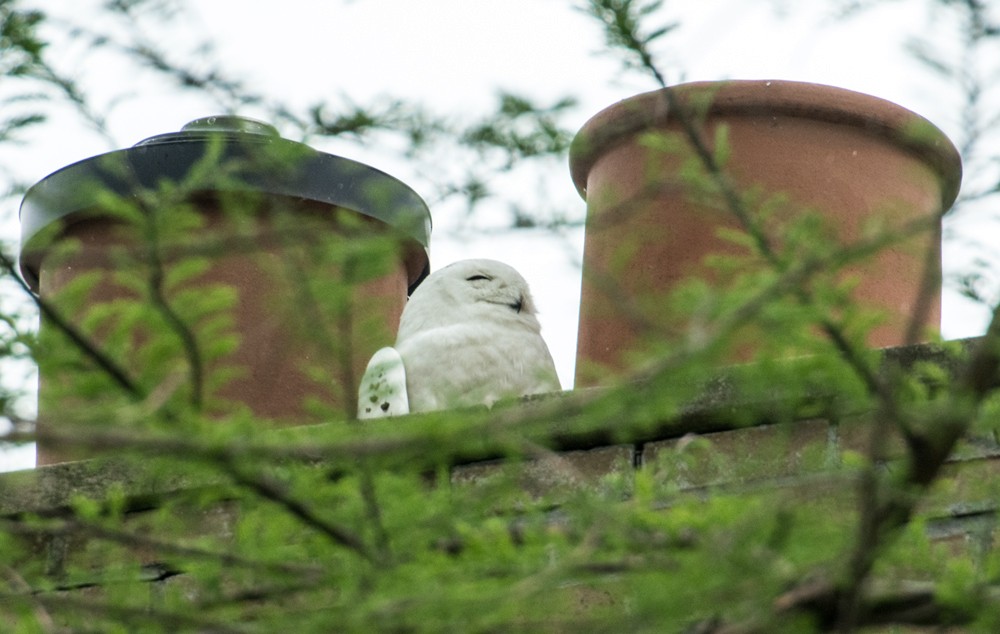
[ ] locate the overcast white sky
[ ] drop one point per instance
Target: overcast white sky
(455, 54)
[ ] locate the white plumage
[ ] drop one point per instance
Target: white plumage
(468, 336)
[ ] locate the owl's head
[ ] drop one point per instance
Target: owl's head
(488, 282)
(471, 282)
(468, 290)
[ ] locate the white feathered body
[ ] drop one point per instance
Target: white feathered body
(459, 365)
(469, 336)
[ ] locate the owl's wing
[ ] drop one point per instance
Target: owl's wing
(383, 387)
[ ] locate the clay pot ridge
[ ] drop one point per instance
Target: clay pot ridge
(776, 98)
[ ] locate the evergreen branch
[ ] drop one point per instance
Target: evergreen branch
(736, 206)
(882, 512)
(930, 444)
(270, 489)
(623, 31)
(55, 319)
(914, 605)
(77, 527)
(157, 296)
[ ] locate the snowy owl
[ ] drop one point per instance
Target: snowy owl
(468, 336)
